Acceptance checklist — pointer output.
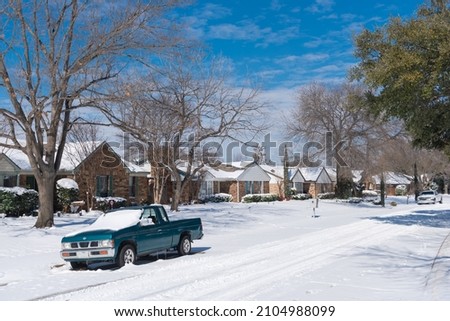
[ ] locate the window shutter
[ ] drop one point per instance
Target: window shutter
(111, 185)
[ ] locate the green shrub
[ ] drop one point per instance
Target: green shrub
(255, 198)
(108, 203)
(218, 198)
(66, 192)
(18, 201)
(326, 196)
(301, 197)
(400, 190)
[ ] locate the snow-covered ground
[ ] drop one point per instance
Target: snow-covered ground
(265, 251)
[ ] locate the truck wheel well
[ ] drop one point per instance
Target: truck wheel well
(133, 244)
(185, 233)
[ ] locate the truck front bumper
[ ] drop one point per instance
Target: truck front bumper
(99, 254)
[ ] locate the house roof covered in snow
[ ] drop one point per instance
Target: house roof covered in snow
(73, 157)
(392, 178)
(356, 174)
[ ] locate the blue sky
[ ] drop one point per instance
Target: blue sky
(287, 43)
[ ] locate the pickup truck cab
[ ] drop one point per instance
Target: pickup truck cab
(121, 236)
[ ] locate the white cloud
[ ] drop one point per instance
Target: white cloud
(321, 6)
(328, 68)
(213, 11)
(275, 5)
(311, 57)
(317, 42)
(249, 31)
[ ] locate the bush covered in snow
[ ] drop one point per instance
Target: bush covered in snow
(218, 198)
(255, 198)
(369, 195)
(400, 190)
(326, 196)
(301, 197)
(66, 192)
(17, 201)
(107, 203)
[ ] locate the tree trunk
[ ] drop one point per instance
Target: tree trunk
(382, 190)
(344, 182)
(416, 183)
(176, 197)
(46, 186)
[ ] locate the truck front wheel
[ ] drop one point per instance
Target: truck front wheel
(184, 247)
(127, 255)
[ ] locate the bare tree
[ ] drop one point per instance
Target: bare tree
(84, 139)
(55, 57)
(181, 105)
(337, 110)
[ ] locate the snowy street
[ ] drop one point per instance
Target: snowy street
(261, 251)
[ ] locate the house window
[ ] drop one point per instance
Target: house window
(209, 188)
(9, 181)
(31, 182)
(133, 186)
(206, 189)
(299, 187)
(104, 186)
(249, 187)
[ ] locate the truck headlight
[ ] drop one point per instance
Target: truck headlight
(106, 243)
(65, 246)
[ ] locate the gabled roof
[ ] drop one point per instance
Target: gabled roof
(251, 172)
(254, 172)
(315, 175)
(68, 161)
(356, 174)
(135, 167)
(221, 175)
(297, 176)
(7, 165)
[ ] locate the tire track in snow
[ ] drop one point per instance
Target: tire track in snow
(246, 278)
(242, 274)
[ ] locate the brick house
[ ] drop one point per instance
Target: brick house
(105, 173)
(102, 173)
(239, 179)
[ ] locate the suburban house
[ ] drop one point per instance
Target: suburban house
(9, 172)
(242, 178)
(108, 172)
(391, 180)
(236, 179)
(103, 173)
(317, 180)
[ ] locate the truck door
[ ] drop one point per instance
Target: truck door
(165, 228)
(151, 236)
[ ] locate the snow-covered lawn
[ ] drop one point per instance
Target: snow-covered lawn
(264, 251)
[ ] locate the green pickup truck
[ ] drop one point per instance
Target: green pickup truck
(121, 236)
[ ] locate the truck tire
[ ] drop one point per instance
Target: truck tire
(78, 265)
(184, 247)
(127, 255)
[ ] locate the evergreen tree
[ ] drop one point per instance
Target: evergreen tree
(406, 65)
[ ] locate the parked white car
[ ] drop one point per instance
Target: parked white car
(429, 197)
